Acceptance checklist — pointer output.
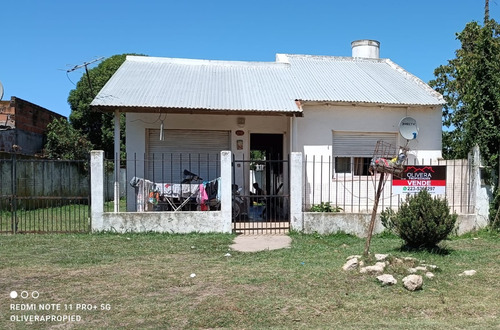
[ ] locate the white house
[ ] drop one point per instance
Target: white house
(327, 107)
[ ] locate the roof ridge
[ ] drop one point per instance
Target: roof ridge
(329, 57)
(190, 61)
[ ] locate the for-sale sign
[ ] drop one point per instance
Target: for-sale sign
(416, 178)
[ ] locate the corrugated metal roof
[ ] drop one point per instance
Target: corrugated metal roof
(198, 84)
(359, 80)
(151, 82)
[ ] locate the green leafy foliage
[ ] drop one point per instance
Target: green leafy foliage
(66, 142)
(325, 207)
(97, 126)
(422, 221)
(470, 84)
(387, 219)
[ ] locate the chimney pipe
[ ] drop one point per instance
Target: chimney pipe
(365, 48)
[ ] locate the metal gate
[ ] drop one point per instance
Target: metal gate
(44, 196)
(261, 197)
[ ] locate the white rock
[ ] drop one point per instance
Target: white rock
(468, 273)
(376, 269)
(412, 270)
(192, 275)
(227, 255)
(431, 267)
(351, 264)
(381, 257)
(354, 256)
(409, 259)
(429, 275)
(421, 268)
(387, 279)
(413, 282)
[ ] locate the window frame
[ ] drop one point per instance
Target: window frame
(357, 168)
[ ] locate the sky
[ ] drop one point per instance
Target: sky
(42, 40)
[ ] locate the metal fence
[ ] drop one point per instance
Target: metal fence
(261, 196)
(43, 196)
(352, 187)
(176, 182)
(164, 182)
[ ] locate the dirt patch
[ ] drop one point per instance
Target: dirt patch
(250, 243)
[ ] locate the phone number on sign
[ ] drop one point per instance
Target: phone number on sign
(417, 189)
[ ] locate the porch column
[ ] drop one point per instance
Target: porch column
(225, 189)
(97, 189)
(296, 186)
(293, 134)
(117, 162)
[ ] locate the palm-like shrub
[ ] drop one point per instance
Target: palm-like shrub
(422, 221)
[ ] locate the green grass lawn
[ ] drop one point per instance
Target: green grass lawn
(139, 281)
(50, 219)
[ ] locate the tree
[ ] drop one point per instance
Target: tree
(470, 84)
(98, 127)
(66, 142)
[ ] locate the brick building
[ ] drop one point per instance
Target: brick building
(23, 126)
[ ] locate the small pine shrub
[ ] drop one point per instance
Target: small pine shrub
(422, 221)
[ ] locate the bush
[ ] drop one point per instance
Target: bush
(325, 207)
(422, 221)
(387, 218)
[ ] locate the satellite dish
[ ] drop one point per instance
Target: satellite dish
(1, 91)
(408, 128)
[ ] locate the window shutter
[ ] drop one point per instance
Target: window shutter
(359, 144)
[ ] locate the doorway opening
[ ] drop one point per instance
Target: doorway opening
(267, 201)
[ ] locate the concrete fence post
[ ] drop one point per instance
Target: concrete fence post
(97, 189)
(296, 190)
(226, 192)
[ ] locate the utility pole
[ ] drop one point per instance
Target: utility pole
(85, 65)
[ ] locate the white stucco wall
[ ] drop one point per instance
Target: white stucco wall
(312, 133)
(358, 223)
(314, 130)
(137, 123)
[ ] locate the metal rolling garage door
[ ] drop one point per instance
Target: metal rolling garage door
(195, 150)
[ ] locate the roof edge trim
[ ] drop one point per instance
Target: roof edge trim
(417, 80)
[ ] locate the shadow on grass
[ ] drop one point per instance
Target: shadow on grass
(435, 249)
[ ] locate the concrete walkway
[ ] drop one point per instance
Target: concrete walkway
(254, 243)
